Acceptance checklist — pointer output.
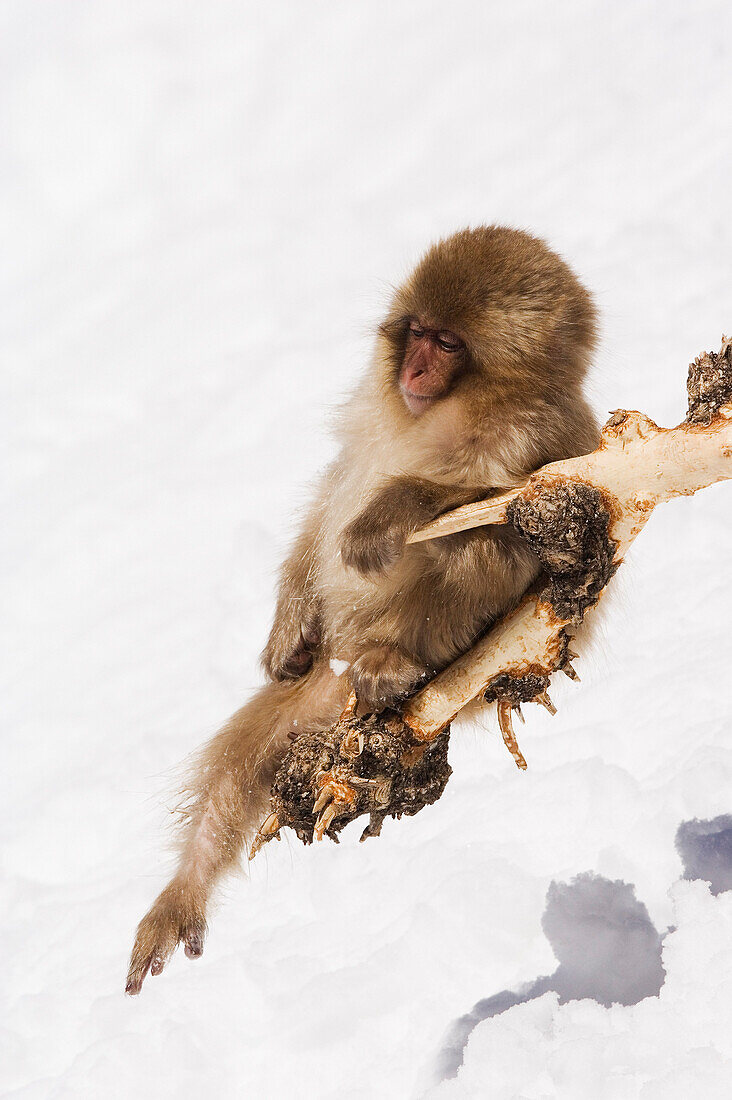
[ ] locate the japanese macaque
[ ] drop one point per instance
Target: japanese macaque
(476, 380)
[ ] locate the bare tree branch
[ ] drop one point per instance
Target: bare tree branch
(579, 516)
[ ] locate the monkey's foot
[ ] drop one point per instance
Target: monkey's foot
(359, 766)
(382, 676)
(290, 651)
(173, 919)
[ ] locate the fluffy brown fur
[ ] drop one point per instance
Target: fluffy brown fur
(511, 401)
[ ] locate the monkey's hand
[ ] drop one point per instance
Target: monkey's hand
(173, 919)
(376, 538)
(294, 638)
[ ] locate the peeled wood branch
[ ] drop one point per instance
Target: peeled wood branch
(636, 467)
(579, 516)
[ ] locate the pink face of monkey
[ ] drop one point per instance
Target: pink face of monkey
(432, 359)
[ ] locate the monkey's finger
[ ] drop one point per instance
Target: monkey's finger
(371, 561)
(371, 551)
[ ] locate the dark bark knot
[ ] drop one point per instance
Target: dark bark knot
(709, 384)
(566, 525)
(373, 761)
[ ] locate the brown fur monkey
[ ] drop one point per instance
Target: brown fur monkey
(476, 380)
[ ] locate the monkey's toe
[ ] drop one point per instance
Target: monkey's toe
(193, 943)
(289, 659)
(135, 978)
(297, 664)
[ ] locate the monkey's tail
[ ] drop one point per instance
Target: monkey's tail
(226, 796)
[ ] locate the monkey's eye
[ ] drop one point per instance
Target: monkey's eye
(448, 341)
(416, 331)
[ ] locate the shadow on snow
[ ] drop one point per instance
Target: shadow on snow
(605, 943)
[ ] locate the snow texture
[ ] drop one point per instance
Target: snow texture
(202, 209)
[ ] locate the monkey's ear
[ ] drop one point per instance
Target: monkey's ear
(394, 328)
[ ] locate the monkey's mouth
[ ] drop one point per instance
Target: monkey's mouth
(415, 402)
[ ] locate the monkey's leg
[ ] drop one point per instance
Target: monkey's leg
(229, 790)
(297, 628)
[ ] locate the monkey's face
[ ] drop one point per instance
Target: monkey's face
(432, 361)
(489, 318)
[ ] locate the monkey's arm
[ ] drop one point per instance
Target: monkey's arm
(296, 630)
(376, 538)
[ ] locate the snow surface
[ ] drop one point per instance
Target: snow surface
(202, 208)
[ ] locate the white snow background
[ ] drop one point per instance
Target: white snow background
(202, 209)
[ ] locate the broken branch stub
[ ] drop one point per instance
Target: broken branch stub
(579, 516)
